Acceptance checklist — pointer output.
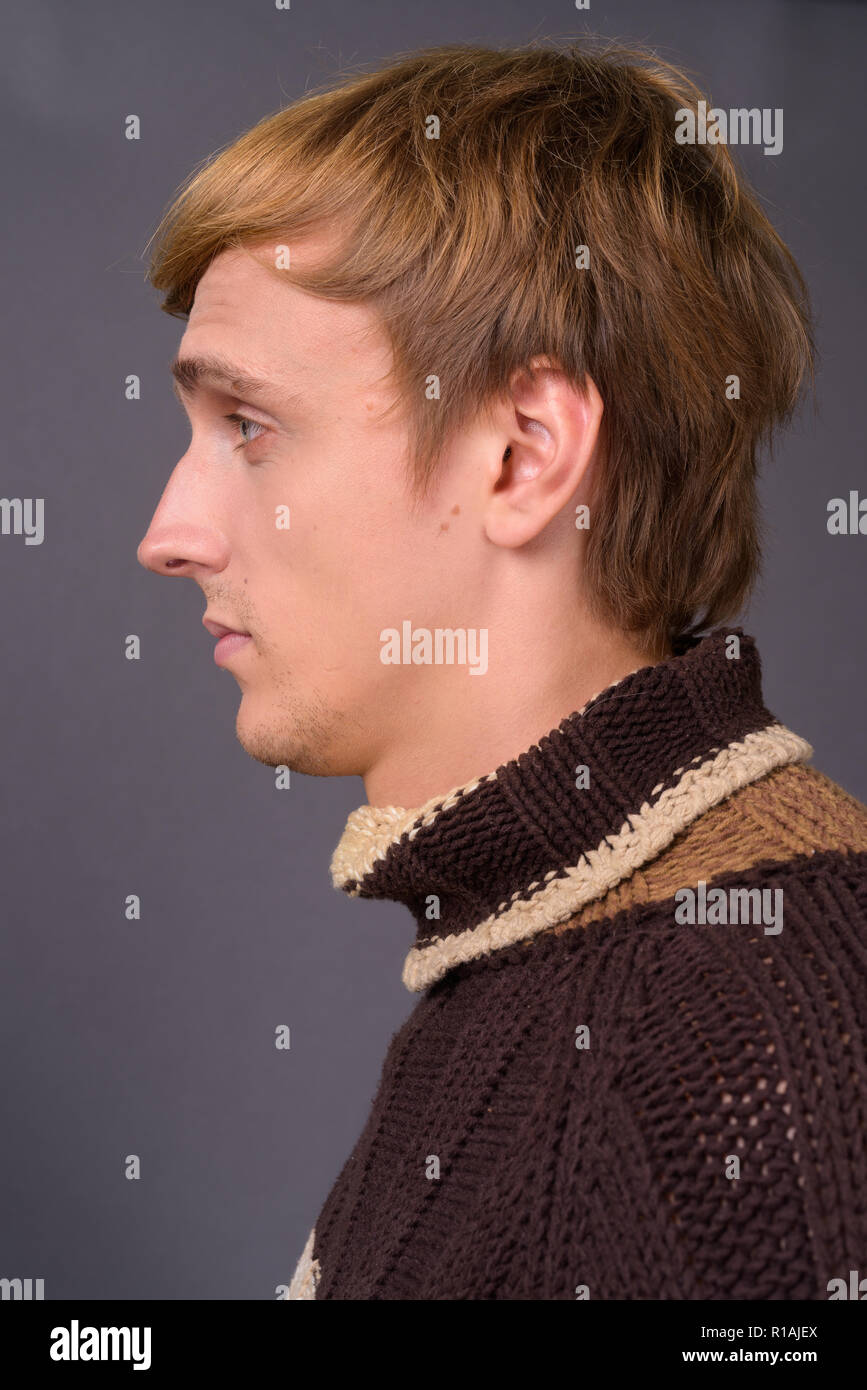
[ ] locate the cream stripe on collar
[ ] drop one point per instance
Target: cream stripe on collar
(643, 835)
(372, 830)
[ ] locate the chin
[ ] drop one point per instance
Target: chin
(304, 736)
(259, 737)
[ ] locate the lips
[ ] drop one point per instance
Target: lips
(229, 640)
(220, 630)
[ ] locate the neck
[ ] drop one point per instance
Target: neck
(456, 726)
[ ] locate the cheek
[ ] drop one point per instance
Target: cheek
(341, 546)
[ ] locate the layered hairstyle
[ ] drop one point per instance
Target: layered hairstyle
(458, 186)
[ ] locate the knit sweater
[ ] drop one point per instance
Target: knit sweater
(637, 1068)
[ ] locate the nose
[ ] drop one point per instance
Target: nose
(183, 537)
(173, 547)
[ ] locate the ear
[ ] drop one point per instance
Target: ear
(543, 443)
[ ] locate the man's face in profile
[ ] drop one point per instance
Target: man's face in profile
(354, 559)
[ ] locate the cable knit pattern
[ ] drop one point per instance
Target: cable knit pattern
(592, 1097)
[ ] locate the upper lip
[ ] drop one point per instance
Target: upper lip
(220, 630)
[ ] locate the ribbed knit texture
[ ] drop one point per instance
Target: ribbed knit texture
(499, 1160)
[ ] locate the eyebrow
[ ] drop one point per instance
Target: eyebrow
(192, 373)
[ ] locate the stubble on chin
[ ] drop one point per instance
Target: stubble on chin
(300, 735)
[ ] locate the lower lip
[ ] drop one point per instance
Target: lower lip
(228, 645)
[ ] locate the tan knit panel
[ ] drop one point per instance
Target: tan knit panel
(794, 810)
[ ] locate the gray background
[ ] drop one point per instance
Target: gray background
(157, 1037)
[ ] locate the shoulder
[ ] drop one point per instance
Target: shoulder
(719, 1111)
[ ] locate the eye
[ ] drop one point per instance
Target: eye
(244, 420)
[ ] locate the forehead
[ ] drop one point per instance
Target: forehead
(241, 309)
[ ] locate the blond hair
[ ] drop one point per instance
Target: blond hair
(467, 246)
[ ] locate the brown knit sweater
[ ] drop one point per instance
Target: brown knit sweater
(629, 1076)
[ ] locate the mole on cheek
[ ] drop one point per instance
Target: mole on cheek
(456, 510)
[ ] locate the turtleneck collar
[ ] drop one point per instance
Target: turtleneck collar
(526, 846)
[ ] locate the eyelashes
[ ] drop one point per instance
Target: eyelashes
(240, 420)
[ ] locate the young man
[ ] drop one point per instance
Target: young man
(478, 358)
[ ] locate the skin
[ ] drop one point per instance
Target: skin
(494, 545)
